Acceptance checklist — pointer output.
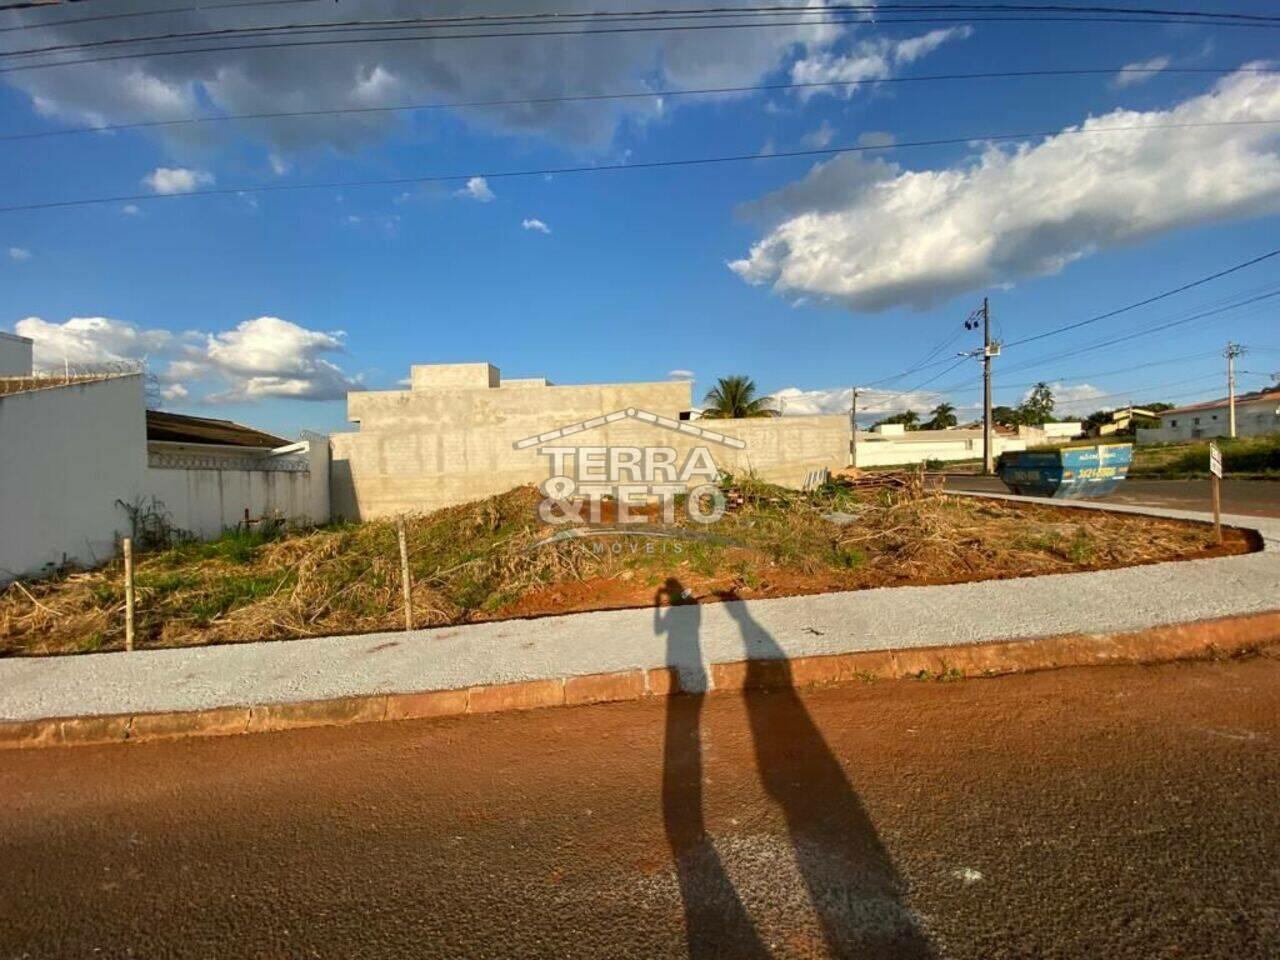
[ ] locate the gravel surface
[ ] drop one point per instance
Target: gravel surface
(1109, 812)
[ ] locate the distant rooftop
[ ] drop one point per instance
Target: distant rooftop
(180, 428)
(1214, 404)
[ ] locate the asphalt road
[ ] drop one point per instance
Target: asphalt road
(1112, 812)
(1254, 498)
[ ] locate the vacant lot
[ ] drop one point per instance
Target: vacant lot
(492, 559)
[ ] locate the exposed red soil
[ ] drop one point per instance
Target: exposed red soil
(629, 588)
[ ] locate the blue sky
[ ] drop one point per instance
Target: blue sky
(850, 276)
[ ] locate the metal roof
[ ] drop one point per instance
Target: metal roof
(181, 428)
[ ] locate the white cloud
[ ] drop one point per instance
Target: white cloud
(270, 357)
(90, 340)
(822, 137)
(360, 75)
(19, 253)
(259, 358)
(871, 235)
(800, 402)
(680, 374)
(534, 224)
(1142, 71)
(477, 188)
(874, 59)
(279, 165)
(170, 180)
(130, 210)
(1073, 400)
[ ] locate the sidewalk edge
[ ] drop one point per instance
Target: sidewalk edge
(1196, 640)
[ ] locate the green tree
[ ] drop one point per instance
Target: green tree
(1005, 416)
(944, 415)
(1037, 408)
(734, 398)
(908, 418)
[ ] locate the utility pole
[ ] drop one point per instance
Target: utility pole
(853, 427)
(988, 464)
(1233, 350)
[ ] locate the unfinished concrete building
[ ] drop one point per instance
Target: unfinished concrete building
(451, 437)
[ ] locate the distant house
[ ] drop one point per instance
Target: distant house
(1122, 421)
(1257, 414)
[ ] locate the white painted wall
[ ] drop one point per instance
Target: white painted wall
(1253, 419)
(15, 356)
(881, 450)
(66, 454)
(69, 452)
(206, 500)
(1051, 432)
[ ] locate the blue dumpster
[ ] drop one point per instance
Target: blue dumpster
(1068, 473)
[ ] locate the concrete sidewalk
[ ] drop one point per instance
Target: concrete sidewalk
(611, 642)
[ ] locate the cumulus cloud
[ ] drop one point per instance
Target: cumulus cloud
(880, 403)
(1140, 72)
(89, 340)
(259, 358)
(680, 374)
(874, 59)
(152, 87)
(170, 180)
(534, 224)
(130, 210)
(270, 357)
(477, 188)
(19, 253)
(870, 235)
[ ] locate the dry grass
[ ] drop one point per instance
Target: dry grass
(483, 560)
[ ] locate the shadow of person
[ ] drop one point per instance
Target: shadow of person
(716, 924)
(852, 882)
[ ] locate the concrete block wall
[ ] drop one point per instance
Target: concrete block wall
(428, 447)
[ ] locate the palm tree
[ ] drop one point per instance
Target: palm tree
(734, 398)
(944, 415)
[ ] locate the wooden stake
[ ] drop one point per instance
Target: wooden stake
(127, 545)
(1216, 486)
(405, 582)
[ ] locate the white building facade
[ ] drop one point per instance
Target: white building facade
(1257, 414)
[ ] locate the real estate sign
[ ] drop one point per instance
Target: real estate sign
(1215, 460)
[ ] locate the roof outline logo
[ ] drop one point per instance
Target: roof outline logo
(631, 413)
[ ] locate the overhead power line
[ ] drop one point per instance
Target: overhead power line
(865, 9)
(808, 20)
(1202, 315)
(1149, 300)
(611, 167)
(759, 14)
(628, 95)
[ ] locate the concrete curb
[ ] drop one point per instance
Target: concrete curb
(1205, 639)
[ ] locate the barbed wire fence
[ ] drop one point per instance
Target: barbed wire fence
(70, 373)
